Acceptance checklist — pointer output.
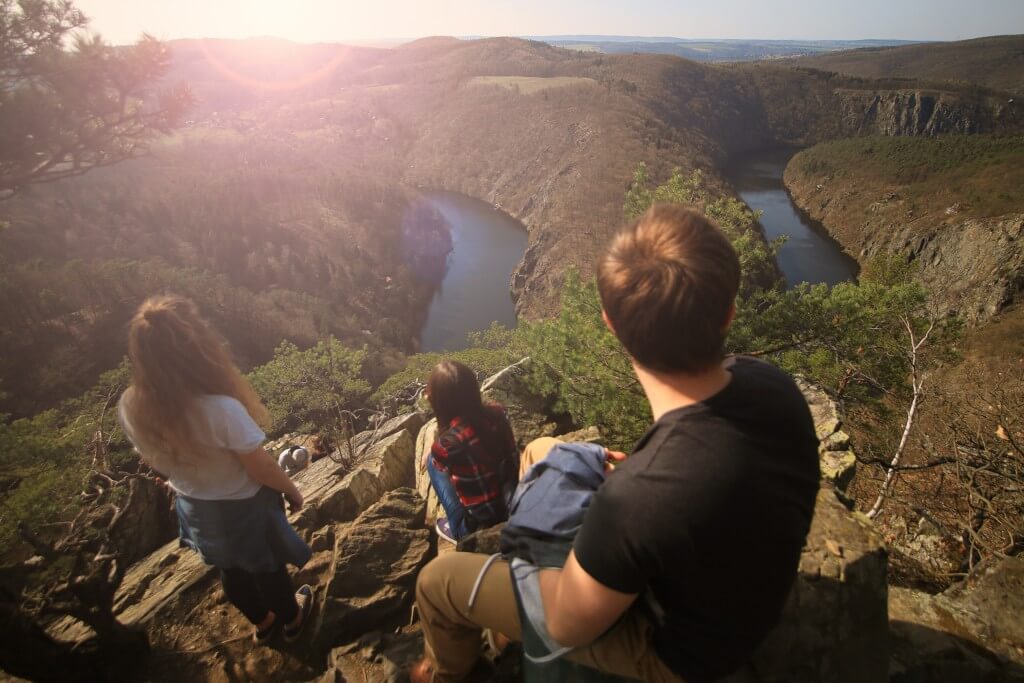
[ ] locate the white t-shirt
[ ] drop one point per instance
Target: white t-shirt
(223, 427)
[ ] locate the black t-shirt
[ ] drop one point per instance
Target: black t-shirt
(709, 515)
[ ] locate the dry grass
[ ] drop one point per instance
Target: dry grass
(528, 85)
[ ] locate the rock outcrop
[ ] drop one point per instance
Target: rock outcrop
(834, 627)
(971, 266)
(374, 568)
(349, 517)
(365, 525)
(921, 112)
(836, 457)
(973, 631)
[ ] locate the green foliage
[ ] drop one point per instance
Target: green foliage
(44, 459)
(70, 320)
(577, 359)
(268, 237)
(757, 259)
(311, 389)
(639, 196)
(490, 350)
(852, 338)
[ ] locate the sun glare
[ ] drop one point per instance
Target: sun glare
(269, 65)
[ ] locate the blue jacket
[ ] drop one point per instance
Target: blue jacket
(547, 510)
(548, 505)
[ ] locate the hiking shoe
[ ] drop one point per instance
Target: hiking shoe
(306, 598)
(422, 672)
(266, 634)
(444, 530)
(496, 642)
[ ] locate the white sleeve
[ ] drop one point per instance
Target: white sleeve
(231, 426)
(126, 426)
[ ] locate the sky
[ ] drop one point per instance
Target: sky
(122, 21)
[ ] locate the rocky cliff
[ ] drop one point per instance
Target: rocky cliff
(923, 112)
(366, 527)
(962, 229)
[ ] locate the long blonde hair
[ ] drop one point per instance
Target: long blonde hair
(177, 357)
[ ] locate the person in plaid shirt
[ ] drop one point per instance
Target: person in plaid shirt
(473, 463)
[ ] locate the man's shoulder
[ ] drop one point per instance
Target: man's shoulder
(749, 366)
(765, 385)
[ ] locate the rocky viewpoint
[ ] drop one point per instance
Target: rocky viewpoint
(368, 524)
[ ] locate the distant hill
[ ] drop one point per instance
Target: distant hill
(995, 62)
(702, 50)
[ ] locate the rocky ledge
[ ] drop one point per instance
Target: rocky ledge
(366, 524)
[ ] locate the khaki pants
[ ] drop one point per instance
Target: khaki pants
(452, 629)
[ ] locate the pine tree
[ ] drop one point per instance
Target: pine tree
(66, 111)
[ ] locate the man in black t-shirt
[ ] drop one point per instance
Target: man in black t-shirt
(689, 549)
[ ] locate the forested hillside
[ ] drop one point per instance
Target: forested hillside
(549, 134)
(268, 235)
(995, 62)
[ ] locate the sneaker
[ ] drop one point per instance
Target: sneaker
(444, 530)
(496, 641)
(266, 634)
(306, 598)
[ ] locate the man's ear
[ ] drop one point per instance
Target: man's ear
(730, 316)
(607, 321)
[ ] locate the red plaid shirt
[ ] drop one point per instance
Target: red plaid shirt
(478, 472)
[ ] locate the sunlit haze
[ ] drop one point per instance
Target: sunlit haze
(332, 20)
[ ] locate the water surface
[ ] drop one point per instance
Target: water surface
(486, 246)
(809, 254)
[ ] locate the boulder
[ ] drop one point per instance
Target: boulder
(973, 631)
(922, 555)
(424, 441)
(409, 422)
(334, 496)
(376, 560)
(485, 541)
(587, 434)
(387, 655)
(835, 625)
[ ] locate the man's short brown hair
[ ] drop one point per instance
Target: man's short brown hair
(667, 285)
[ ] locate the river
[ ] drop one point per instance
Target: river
(809, 255)
(487, 244)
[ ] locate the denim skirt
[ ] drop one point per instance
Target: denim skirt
(251, 533)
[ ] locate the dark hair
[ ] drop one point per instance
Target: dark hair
(453, 391)
(667, 285)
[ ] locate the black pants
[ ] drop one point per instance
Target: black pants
(255, 594)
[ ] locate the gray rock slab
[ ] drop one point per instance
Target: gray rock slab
(377, 559)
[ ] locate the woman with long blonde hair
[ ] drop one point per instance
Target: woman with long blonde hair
(195, 419)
